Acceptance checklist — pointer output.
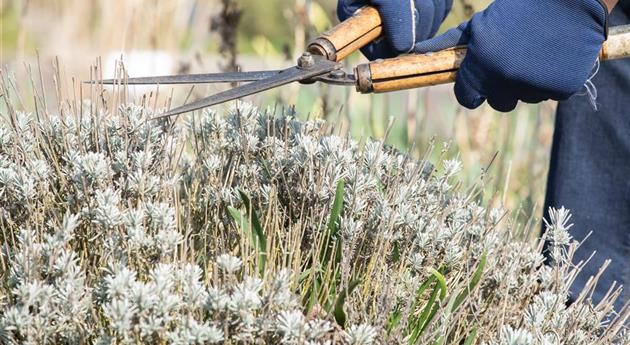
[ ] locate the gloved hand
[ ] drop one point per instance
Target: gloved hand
(405, 22)
(529, 50)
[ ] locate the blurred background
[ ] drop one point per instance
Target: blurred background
(64, 38)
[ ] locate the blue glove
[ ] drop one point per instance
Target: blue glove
(405, 22)
(528, 50)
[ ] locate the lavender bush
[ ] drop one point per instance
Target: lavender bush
(253, 228)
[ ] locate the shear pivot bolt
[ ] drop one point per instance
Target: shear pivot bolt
(306, 60)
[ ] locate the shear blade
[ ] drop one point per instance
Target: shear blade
(321, 66)
(203, 78)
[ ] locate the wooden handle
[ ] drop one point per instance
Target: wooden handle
(409, 71)
(350, 35)
(618, 44)
(413, 71)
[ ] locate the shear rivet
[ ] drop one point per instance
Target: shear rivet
(306, 60)
(338, 74)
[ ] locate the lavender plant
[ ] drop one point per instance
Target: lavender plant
(254, 228)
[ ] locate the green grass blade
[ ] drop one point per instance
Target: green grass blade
(412, 319)
(471, 337)
(418, 326)
(340, 314)
(257, 231)
(396, 252)
(328, 249)
(394, 319)
(431, 307)
(476, 277)
(333, 227)
(441, 281)
(236, 215)
(333, 221)
(326, 252)
(305, 273)
(311, 296)
(421, 290)
(253, 229)
(436, 307)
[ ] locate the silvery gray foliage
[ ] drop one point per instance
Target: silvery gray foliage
(107, 269)
(361, 334)
(49, 296)
(116, 231)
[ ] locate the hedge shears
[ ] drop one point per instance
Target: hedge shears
(321, 63)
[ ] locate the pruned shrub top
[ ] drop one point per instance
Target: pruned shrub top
(248, 227)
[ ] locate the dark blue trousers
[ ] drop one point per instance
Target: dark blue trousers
(590, 170)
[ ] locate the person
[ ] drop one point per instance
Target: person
(531, 51)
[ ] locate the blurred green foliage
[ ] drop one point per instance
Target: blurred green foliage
(9, 19)
(275, 19)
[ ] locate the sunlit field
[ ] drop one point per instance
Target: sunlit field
(307, 214)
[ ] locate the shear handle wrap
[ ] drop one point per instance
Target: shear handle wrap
(348, 36)
(413, 71)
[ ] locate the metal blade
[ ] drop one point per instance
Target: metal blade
(321, 66)
(337, 77)
(203, 78)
